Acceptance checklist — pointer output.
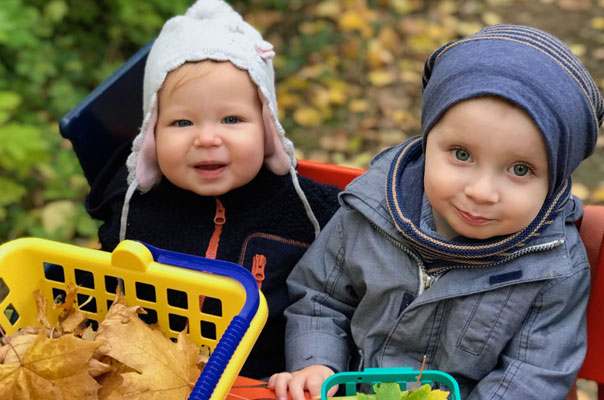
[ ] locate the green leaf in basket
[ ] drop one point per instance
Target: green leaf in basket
(392, 391)
(426, 393)
(387, 391)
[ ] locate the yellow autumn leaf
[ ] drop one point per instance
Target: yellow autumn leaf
(356, 20)
(468, 28)
(293, 82)
(578, 49)
(337, 96)
(580, 190)
(320, 97)
(311, 71)
(380, 77)
(409, 76)
(597, 195)
(160, 367)
(312, 27)
(389, 38)
(358, 106)
(597, 23)
(352, 20)
(51, 369)
(378, 55)
(307, 116)
(403, 6)
(490, 18)
(57, 215)
(329, 8)
(289, 100)
(19, 346)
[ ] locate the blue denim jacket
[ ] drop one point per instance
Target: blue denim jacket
(510, 331)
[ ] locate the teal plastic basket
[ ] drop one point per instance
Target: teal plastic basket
(402, 376)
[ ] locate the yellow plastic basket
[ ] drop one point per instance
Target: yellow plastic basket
(167, 284)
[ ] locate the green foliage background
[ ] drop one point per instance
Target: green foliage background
(52, 54)
(348, 75)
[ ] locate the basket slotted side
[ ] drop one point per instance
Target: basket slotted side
(29, 264)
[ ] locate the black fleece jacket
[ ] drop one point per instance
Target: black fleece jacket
(263, 217)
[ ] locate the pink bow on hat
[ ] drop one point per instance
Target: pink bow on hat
(265, 49)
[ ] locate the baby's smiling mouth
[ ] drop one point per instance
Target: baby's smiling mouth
(209, 166)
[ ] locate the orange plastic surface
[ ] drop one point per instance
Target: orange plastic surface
(592, 233)
(328, 173)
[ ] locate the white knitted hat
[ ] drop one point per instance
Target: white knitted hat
(210, 29)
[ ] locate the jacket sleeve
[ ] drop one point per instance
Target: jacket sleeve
(542, 360)
(322, 303)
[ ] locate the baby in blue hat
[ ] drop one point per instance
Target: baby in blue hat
(460, 245)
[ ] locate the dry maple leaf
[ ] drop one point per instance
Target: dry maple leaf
(51, 369)
(162, 369)
(70, 320)
(18, 347)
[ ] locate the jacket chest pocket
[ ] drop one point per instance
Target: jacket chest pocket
(271, 258)
(483, 316)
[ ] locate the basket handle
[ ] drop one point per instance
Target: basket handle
(213, 370)
(395, 374)
(218, 267)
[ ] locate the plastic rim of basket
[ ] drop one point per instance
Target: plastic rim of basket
(233, 334)
(400, 375)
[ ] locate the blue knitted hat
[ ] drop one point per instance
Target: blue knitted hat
(531, 69)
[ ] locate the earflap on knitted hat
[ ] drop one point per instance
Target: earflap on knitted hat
(531, 69)
(209, 30)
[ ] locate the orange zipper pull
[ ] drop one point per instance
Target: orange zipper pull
(212, 250)
(219, 220)
(258, 264)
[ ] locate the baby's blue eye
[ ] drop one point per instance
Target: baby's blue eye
(461, 154)
(181, 123)
(521, 170)
(230, 120)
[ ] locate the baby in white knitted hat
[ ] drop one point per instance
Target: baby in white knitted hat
(211, 172)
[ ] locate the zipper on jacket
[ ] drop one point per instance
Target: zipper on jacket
(219, 220)
(270, 237)
(425, 280)
(258, 264)
(212, 250)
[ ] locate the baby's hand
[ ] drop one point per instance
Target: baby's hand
(310, 378)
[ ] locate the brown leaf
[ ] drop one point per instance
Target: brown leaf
(19, 344)
(203, 357)
(98, 368)
(74, 322)
(70, 298)
(112, 381)
(162, 368)
(51, 369)
(41, 306)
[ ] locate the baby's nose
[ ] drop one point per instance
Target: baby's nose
(206, 136)
(482, 189)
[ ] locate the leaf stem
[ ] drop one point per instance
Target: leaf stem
(3, 334)
(421, 370)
